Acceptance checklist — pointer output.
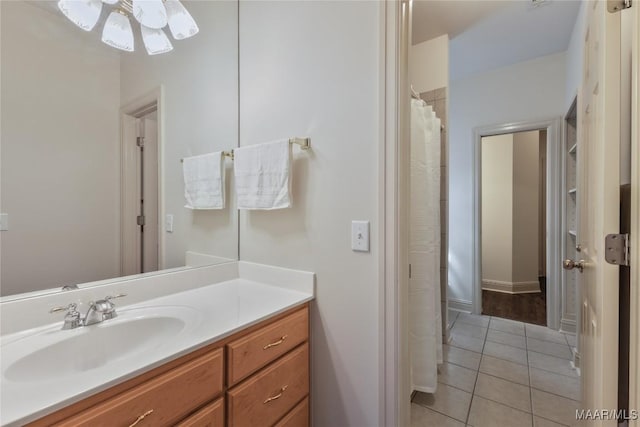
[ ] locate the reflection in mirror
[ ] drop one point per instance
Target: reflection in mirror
(80, 200)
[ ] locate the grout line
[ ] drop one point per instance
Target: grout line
(555, 394)
(473, 393)
(439, 412)
(555, 373)
(504, 404)
(456, 387)
(553, 421)
(526, 343)
(503, 379)
(547, 354)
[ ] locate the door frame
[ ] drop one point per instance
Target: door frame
(634, 343)
(555, 138)
(129, 163)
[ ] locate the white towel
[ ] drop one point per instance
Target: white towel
(262, 175)
(204, 181)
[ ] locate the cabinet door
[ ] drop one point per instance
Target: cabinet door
(267, 396)
(211, 415)
(161, 401)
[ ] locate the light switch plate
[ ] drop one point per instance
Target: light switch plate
(168, 223)
(360, 236)
(4, 222)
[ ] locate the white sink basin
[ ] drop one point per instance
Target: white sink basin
(59, 354)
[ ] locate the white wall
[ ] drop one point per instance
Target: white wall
(522, 92)
(60, 137)
(575, 55)
(526, 171)
(200, 80)
(497, 208)
(429, 64)
(312, 68)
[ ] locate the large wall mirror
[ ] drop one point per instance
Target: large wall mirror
(74, 182)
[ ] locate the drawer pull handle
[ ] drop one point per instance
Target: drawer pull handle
(273, 344)
(277, 396)
(141, 417)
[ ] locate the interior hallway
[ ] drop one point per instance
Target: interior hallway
(499, 372)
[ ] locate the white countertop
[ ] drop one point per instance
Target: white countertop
(217, 311)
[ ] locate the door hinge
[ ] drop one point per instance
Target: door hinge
(617, 250)
(409, 271)
(140, 141)
(614, 6)
(140, 219)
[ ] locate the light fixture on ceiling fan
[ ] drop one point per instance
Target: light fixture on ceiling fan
(152, 15)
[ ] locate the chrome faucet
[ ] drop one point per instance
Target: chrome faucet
(101, 310)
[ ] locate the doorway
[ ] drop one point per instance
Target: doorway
(513, 226)
(141, 186)
(541, 289)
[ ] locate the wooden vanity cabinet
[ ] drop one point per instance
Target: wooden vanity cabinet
(256, 377)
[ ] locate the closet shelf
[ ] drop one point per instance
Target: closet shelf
(573, 191)
(573, 148)
(573, 233)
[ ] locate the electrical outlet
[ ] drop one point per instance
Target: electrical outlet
(360, 236)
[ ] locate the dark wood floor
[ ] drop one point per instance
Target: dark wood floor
(529, 308)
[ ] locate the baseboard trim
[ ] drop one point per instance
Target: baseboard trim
(460, 305)
(567, 325)
(511, 287)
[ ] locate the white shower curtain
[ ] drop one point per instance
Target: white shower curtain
(425, 317)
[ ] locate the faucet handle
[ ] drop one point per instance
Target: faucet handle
(72, 319)
(71, 308)
(108, 298)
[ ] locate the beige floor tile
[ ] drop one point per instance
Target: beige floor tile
(474, 319)
(457, 376)
(504, 369)
(553, 407)
(425, 417)
(542, 422)
(466, 342)
(547, 347)
(506, 338)
(505, 352)
(507, 325)
(551, 363)
(551, 382)
(486, 413)
(462, 357)
(503, 391)
(447, 400)
(469, 330)
(545, 334)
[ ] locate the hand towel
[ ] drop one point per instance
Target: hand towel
(262, 175)
(204, 181)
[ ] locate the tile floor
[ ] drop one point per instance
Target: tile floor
(500, 372)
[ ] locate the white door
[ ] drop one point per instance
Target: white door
(149, 199)
(599, 165)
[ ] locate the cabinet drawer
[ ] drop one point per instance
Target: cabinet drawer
(267, 396)
(298, 417)
(211, 415)
(251, 352)
(165, 399)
